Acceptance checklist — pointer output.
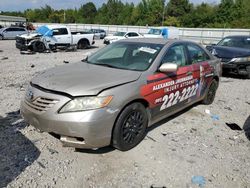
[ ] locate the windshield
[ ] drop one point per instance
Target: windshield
(154, 31)
(239, 42)
(120, 34)
(129, 56)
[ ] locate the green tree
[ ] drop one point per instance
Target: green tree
(178, 8)
(148, 12)
(201, 16)
(88, 12)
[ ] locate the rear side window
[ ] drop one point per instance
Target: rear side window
(197, 54)
(133, 34)
(20, 29)
(60, 31)
(10, 29)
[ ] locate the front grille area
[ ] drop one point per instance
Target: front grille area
(20, 40)
(225, 60)
(41, 104)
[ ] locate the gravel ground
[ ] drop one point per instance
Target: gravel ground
(185, 147)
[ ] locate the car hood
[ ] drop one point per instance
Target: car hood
(114, 37)
(29, 35)
(82, 78)
(226, 52)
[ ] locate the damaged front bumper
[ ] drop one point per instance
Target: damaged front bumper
(86, 129)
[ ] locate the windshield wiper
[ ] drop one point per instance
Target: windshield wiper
(106, 65)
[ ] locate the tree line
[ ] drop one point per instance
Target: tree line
(179, 13)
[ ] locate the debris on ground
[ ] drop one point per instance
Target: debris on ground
(228, 108)
(4, 58)
(199, 180)
(52, 151)
(192, 130)
(27, 52)
(213, 116)
(32, 66)
(65, 61)
(164, 133)
(151, 138)
(234, 126)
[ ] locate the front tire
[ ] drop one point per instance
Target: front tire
(130, 127)
(210, 95)
(38, 46)
(248, 72)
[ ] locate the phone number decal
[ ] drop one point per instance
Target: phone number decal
(176, 97)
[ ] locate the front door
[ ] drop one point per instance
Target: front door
(167, 92)
(61, 36)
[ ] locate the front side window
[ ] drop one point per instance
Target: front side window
(121, 34)
(129, 56)
(176, 54)
(197, 54)
(9, 29)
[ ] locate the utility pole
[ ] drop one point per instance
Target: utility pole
(64, 16)
(163, 13)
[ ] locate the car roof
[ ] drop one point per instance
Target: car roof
(56, 26)
(237, 36)
(154, 40)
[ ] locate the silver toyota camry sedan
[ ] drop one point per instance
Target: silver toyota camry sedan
(114, 95)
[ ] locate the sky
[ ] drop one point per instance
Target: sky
(20, 5)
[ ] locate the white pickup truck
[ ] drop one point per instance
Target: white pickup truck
(163, 32)
(51, 37)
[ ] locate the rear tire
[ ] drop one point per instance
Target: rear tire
(82, 44)
(38, 46)
(130, 127)
(248, 72)
(210, 95)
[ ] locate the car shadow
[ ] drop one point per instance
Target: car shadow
(246, 128)
(235, 76)
(103, 150)
(16, 151)
(165, 120)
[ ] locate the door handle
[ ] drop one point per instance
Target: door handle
(189, 73)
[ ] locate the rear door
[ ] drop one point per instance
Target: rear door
(168, 92)
(201, 68)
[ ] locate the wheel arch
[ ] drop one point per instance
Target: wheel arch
(217, 79)
(83, 39)
(144, 102)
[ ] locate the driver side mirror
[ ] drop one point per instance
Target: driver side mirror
(168, 67)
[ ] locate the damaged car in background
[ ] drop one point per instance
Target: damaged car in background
(52, 37)
(114, 95)
(234, 52)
